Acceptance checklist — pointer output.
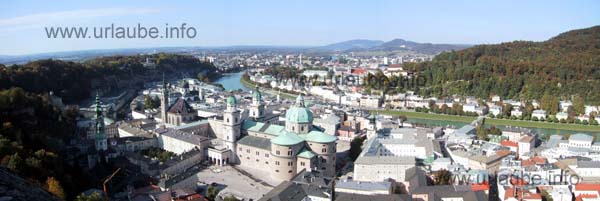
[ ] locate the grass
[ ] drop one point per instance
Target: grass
(503, 122)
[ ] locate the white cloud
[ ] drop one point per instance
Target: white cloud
(36, 20)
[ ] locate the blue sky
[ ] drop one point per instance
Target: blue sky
(304, 23)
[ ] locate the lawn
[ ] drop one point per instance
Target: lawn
(269, 91)
(504, 122)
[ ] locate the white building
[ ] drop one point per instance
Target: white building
(539, 114)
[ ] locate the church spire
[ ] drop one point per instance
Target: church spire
(101, 143)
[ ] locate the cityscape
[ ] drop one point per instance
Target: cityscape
(451, 117)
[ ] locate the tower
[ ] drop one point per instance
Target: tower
(100, 137)
(201, 94)
(372, 127)
(231, 127)
(279, 96)
(298, 118)
(257, 109)
(164, 101)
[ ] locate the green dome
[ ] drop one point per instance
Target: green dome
(231, 100)
(287, 139)
(319, 137)
(299, 115)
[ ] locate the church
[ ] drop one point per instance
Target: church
(250, 137)
(283, 150)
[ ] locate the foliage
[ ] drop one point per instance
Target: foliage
(212, 192)
(55, 188)
(230, 198)
(32, 132)
(356, 147)
(158, 153)
(442, 177)
(563, 66)
(95, 196)
(74, 81)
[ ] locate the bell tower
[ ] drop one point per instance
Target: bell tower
(231, 127)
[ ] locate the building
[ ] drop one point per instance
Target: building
(538, 114)
(286, 150)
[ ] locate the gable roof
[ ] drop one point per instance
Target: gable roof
(181, 107)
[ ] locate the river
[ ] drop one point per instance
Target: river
(231, 81)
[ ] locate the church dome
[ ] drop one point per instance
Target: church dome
(287, 139)
(231, 100)
(299, 115)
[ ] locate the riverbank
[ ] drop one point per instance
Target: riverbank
(251, 85)
(501, 122)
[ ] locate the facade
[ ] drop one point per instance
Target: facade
(283, 150)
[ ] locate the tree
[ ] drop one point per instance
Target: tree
(578, 105)
(355, 147)
(549, 103)
(442, 177)
(481, 132)
(212, 192)
(230, 198)
(15, 163)
(55, 188)
(95, 196)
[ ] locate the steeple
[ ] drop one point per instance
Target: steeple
(100, 137)
(164, 101)
(300, 101)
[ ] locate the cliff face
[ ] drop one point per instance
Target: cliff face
(13, 187)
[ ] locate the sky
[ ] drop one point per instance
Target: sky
(291, 23)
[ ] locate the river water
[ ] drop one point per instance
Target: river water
(231, 81)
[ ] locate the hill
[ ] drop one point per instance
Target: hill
(564, 66)
(349, 45)
(423, 48)
(395, 45)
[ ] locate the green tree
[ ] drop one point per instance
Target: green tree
(230, 198)
(549, 103)
(578, 105)
(95, 196)
(15, 163)
(212, 192)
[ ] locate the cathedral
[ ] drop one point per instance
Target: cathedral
(250, 137)
(282, 150)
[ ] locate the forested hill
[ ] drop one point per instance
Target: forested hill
(562, 67)
(73, 81)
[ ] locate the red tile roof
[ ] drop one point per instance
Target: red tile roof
(587, 187)
(507, 143)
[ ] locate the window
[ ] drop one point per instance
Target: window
(276, 170)
(323, 160)
(276, 162)
(267, 162)
(289, 152)
(257, 153)
(290, 163)
(267, 155)
(302, 164)
(324, 150)
(240, 149)
(302, 128)
(277, 152)
(247, 150)
(257, 160)
(227, 120)
(290, 171)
